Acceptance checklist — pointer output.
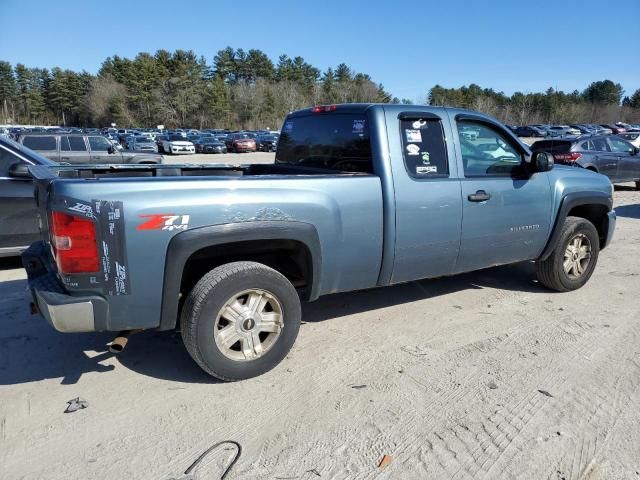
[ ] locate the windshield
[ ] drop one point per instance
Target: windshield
(176, 138)
(334, 141)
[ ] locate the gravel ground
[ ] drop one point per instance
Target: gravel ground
(484, 375)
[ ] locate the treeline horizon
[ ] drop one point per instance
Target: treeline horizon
(246, 89)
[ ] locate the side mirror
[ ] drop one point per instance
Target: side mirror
(110, 150)
(19, 170)
(635, 151)
(542, 162)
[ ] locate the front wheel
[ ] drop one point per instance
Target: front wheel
(574, 258)
(240, 320)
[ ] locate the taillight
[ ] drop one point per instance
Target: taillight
(74, 243)
(567, 157)
(323, 109)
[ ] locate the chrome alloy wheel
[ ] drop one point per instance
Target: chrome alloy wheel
(577, 256)
(248, 325)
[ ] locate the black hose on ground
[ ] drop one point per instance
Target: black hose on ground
(193, 466)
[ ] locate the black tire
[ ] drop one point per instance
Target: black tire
(551, 272)
(208, 297)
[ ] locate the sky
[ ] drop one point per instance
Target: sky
(407, 46)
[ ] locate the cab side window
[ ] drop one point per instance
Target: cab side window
(99, 144)
(77, 144)
(423, 148)
(486, 151)
(620, 146)
(600, 145)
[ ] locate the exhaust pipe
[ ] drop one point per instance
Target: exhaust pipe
(118, 343)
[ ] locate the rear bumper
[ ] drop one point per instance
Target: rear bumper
(64, 312)
(610, 229)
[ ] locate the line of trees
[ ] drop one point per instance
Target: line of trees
(600, 102)
(241, 89)
(246, 89)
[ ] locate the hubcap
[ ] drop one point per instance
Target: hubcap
(577, 256)
(248, 325)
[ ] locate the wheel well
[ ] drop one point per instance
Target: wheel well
(596, 214)
(592, 168)
(289, 257)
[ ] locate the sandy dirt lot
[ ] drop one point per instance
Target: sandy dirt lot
(485, 375)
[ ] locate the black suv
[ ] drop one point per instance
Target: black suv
(610, 155)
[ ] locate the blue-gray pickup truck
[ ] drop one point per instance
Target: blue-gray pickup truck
(359, 196)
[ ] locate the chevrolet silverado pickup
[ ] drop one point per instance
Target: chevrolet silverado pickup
(359, 196)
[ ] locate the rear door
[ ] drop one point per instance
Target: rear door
(73, 149)
(17, 207)
(427, 195)
(506, 215)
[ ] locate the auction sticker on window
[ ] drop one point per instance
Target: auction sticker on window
(413, 136)
(358, 126)
(413, 149)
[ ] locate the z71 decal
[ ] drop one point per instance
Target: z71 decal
(164, 221)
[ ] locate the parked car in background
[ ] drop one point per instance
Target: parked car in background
(610, 155)
(176, 144)
(240, 142)
(266, 143)
(632, 137)
(18, 214)
(529, 131)
(209, 145)
(561, 130)
(142, 143)
(614, 128)
(82, 148)
(628, 127)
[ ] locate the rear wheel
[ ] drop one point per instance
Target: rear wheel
(574, 258)
(240, 320)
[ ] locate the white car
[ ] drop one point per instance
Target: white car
(632, 137)
(178, 145)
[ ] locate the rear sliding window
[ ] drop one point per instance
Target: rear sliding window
(40, 143)
(326, 140)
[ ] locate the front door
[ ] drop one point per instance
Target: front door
(605, 160)
(102, 151)
(506, 215)
(18, 214)
(428, 209)
(628, 160)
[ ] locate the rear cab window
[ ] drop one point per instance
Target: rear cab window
(423, 146)
(333, 141)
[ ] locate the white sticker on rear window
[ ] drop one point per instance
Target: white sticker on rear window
(358, 127)
(413, 149)
(419, 123)
(413, 136)
(288, 127)
(425, 170)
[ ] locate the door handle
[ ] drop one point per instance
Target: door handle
(64, 158)
(479, 196)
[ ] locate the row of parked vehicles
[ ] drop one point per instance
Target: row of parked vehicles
(540, 130)
(140, 141)
(187, 142)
